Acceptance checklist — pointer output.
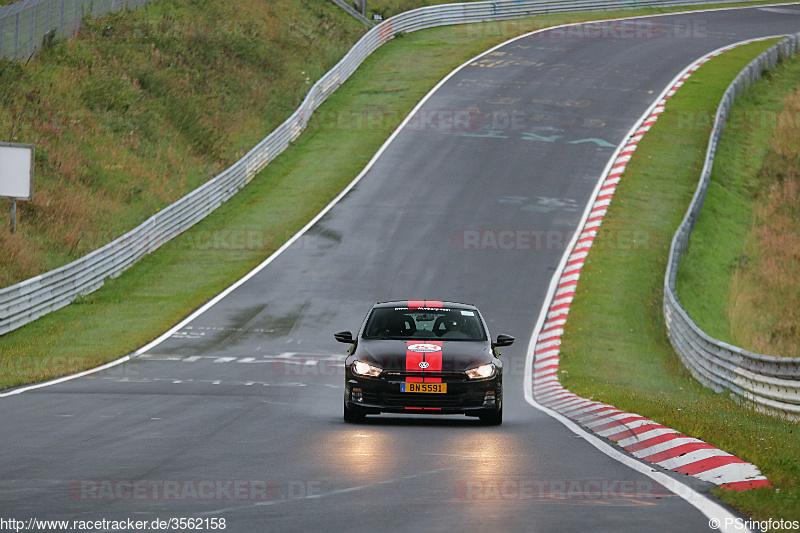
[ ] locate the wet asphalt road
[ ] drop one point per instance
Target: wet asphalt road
(237, 416)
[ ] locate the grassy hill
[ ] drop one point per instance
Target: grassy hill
(144, 106)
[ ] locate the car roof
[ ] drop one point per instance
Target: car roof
(431, 304)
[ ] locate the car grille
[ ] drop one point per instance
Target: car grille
(449, 377)
(405, 399)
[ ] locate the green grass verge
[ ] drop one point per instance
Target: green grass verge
(213, 78)
(615, 348)
(741, 181)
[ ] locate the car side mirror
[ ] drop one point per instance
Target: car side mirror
(344, 336)
(503, 340)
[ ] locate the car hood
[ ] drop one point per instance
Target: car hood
(440, 356)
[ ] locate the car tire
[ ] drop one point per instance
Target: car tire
(492, 419)
(354, 415)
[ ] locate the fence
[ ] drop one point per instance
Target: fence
(353, 12)
(24, 25)
(35, 297)
(770, 383)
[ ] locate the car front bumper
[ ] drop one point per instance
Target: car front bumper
(384, 395)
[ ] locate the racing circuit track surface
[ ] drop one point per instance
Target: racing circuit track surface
(238, 414)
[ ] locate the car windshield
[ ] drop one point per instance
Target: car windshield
(424, 324)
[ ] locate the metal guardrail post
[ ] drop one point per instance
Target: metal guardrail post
(32, 45)
(16, 36)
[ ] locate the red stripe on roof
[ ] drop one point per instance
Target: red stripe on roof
(416, 304)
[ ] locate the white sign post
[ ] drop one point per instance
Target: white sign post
(16, 175)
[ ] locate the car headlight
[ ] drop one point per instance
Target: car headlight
(365, 369)
(480, 372)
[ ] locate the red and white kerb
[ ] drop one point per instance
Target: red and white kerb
(639, 436)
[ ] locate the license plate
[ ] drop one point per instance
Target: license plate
(424, 387)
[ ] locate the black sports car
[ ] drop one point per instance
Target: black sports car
(423, 357)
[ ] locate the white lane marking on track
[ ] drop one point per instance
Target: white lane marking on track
(776, 10)
(189, 335)
(292, 359)
(248, 383)
(27, 388)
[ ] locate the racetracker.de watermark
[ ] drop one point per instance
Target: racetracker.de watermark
(539, 240)
(433, 120)
(190, 240)
(558, 30)
(104, 524)
(741, 119)
(130, 29)
(190, 490)
(557, 489)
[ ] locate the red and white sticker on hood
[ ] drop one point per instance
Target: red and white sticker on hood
(425, 347)
(424, 356)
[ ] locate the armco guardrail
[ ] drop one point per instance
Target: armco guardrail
(35, 297)
(24, 24)
(770, 383)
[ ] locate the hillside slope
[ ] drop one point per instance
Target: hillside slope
(144, 106)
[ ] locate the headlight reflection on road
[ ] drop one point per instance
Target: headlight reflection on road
(358, 453)
(488, 453)
(364, 454)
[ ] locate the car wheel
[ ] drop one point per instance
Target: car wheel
(493, 419)
(353, 416)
